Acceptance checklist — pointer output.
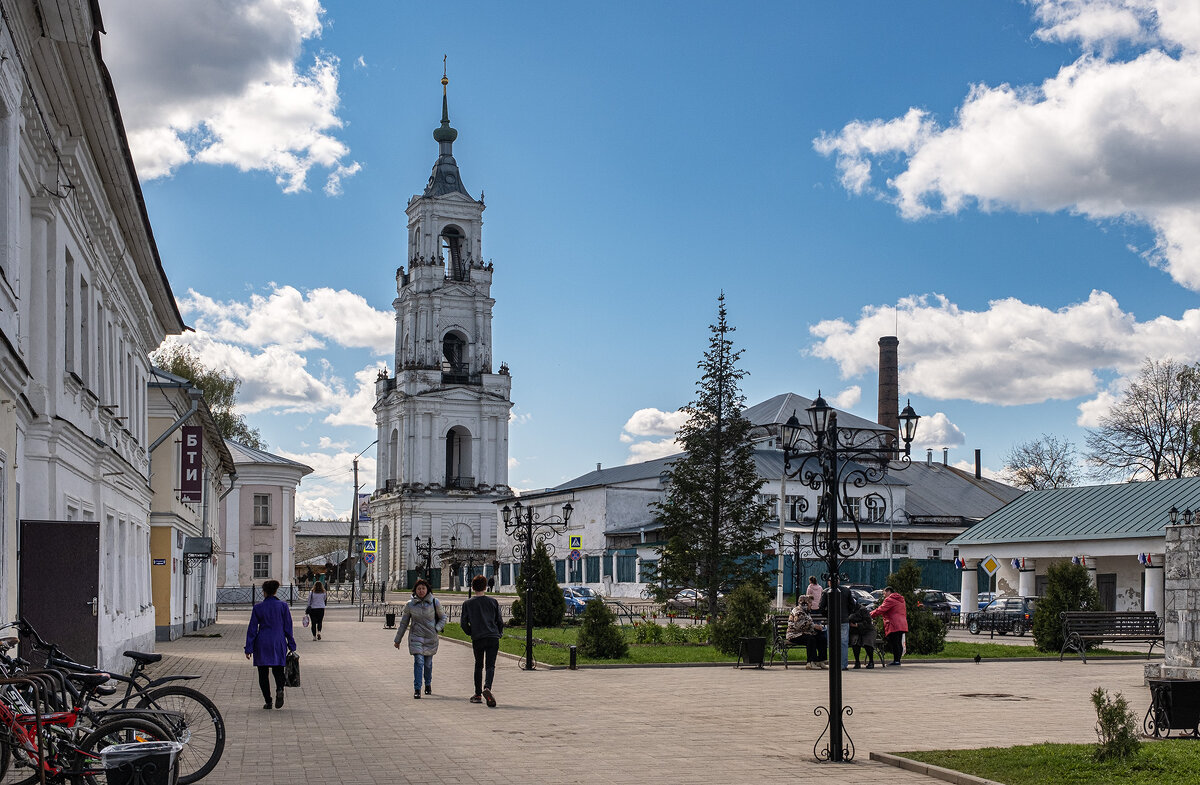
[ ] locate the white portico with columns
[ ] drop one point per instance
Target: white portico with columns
(442, 419)
(1116, 531)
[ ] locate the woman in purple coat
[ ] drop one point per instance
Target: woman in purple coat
(268, 640)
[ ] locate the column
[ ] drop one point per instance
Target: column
(970, 588)
(1153, 600)
(1026, 580)
(1090, 563)
(231, 537)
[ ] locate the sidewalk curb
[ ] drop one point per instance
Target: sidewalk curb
(929, 770)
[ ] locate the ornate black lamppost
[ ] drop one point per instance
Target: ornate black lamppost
(1173, 515)
(466, 557)
(799, 549)
(832, 461)
(424, 555)
(530, 528)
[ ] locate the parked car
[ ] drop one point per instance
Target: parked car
(585, 593)
(864, 598)
(575, 602)
(690, 599)
(937, 602)
(1004, 615)
(985, 597)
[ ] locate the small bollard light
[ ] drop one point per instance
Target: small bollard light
(572, 665)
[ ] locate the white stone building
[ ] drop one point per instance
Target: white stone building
(443, 417)
(1116, 531)
(258, 520)
(188, 484)
(83, 300)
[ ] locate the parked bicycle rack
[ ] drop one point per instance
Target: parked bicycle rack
(36, 686)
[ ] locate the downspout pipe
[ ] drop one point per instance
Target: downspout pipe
(195, 393)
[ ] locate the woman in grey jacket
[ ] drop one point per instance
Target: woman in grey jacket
(425, 615)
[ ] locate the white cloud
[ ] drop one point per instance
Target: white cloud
(1012, 352)
(289, 318)
(360, 62)
(357, 407)
(848, 398)
(326, 493)
(936, 431)
(648, 451)
(969, 466)
(1106, 138)
(654, 422)
(225, 82)
(1091, 411)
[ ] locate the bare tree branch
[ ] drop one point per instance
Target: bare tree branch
(1044, 462)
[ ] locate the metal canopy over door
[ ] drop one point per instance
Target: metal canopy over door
(58, 589)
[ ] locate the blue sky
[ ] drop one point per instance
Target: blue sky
(1008, 186)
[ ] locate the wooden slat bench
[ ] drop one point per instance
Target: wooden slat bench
(1083, 627)
(779, 641)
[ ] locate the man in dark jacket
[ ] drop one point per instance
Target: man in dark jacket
(481, 620)
(846, 606)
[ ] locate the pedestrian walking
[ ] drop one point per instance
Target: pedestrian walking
(491, 583)
(424, 613)
(802, 629)
(268, 641)
(846, 606)
(862, 635)
(481, 620)
(895, 621)
(316, 608)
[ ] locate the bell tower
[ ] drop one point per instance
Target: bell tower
(442, 418)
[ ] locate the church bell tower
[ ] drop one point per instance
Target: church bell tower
(442, 418)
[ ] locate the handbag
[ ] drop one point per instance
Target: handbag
(305, 622)
(291, 670)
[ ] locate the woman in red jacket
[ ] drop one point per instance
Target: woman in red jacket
(895, 621)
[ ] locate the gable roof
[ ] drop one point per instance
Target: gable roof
(777, 410)
(939, 491)
(1127, 510)
(244, 454)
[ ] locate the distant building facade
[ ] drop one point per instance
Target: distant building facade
(192, 469)
(258, 519)
(442, 419)
(83, 301)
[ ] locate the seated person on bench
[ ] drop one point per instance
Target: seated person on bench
(802, 629)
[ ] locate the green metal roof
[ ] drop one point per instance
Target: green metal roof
(1136, 509)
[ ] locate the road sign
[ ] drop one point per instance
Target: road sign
(370, 546)
(576, 541)
(369, 556)
(576, 555)
(990, 565)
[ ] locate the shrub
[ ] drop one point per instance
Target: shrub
(1116, 727)
(745, 617)
(674, 634)
(599, 635)
(549, 607)
(1068, 588)
(926, 632)
(697, 634)
(647, 632)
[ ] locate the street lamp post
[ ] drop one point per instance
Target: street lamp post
(833, 461)
(468, 558)
(1173, 515)
(424, 555)
(351, 556)
(528, 527)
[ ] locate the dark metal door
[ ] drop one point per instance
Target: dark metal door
(59, 584)
(1107, 586)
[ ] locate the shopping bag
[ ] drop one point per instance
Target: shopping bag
(305, 622)
(291, 670)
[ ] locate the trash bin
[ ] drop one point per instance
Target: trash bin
(751, 651)
(389, 619)
(145, 763)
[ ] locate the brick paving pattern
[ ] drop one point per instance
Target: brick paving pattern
(355, 721)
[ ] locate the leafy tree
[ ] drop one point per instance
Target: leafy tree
(599, 635)
(713, 524)
(1044, 462)
(1153, 431)
(1068, 588)
(220, 392)
(549, 607)
(926, 632)
(745, 617)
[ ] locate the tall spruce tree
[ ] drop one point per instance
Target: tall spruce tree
(712, 522)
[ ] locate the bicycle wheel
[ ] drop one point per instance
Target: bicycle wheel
(5, 756)
(85, 768)
(200, 727)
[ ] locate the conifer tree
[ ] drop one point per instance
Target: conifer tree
(713, 525)
(549, 607)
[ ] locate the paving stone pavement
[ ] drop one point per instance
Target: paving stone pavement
(354, 719)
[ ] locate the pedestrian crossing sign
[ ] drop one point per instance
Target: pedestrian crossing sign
(576, 541)
(370, 546)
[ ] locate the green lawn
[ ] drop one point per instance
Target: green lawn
(1171, 762)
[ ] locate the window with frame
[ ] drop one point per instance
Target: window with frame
(262, 565)
(872, 548)
(935, 553)
(262, 509)
(900, 547)
(575, 570)
(861, 511)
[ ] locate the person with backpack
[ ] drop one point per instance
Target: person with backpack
(481, 620)
(424, 613)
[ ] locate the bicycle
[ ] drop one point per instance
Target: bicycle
(198, 722)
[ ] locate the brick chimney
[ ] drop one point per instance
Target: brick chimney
(889, 384)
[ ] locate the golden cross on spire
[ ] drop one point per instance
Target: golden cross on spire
(445, 81)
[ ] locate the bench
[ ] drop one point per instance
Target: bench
(1081, 628)
(779, 640)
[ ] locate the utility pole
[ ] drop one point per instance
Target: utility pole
(351, 556)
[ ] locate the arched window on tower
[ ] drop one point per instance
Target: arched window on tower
(456, 365)
(458, 459)
(453, 252)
